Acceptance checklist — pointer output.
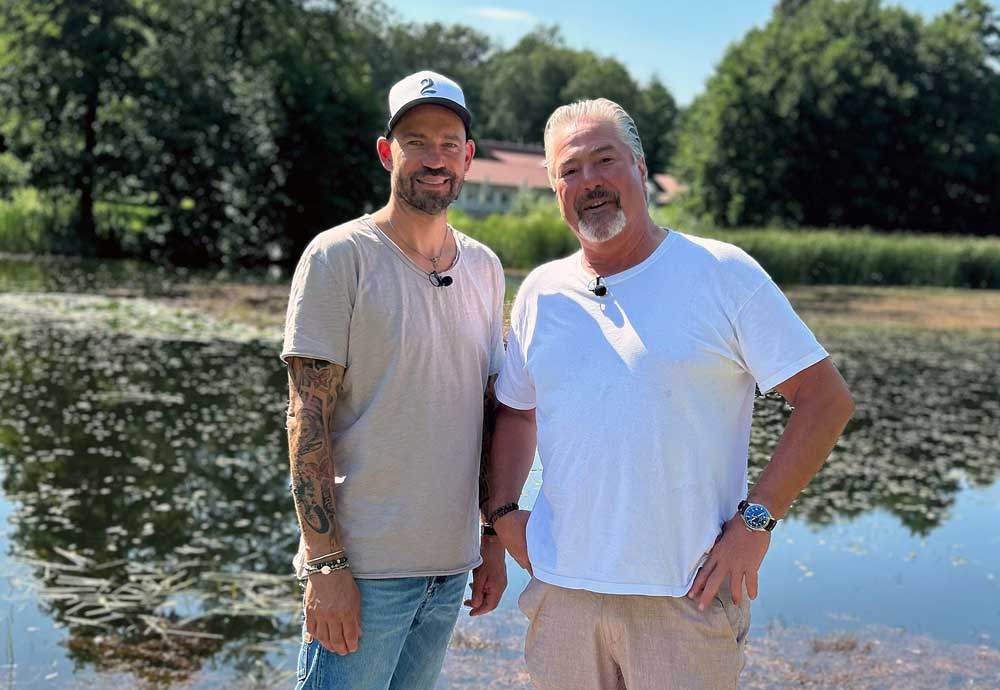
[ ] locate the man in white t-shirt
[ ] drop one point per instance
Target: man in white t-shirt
(392, 339)
(632, 364)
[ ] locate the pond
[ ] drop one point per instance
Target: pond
(147, 526)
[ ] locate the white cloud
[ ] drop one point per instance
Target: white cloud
(500, 14)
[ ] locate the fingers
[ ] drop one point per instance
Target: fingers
(491, 593)
(310, 626)
(752, 584)
(352, 634)
(478, 587)
(701, 578)
(736, 589)
(336, 640)
(711, 588)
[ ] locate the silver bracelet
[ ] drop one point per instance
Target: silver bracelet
(332, 554)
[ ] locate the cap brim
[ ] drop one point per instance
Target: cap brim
(451, 105)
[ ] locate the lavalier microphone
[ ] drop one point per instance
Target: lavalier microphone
(439, 280)
(597, 287)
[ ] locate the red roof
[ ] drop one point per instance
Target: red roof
(670, 185)
(506, 165)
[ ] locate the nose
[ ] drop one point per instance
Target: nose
(432, 157)
(591, 177)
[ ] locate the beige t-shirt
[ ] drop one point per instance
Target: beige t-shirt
(407, 427)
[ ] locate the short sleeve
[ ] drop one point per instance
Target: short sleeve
(496, 333)
(774, 343)
(514, 387)
(317, 323)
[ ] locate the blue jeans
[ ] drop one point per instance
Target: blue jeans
(406, 624)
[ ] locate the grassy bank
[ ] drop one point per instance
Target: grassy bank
(792, 257)
(33, 224)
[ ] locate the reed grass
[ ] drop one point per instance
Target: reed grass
(792, 257)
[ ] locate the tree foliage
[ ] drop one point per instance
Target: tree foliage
(845, 112)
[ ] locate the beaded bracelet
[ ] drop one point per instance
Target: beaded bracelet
(492, 518)
(325, 568)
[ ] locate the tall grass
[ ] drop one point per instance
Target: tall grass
(850, 257)
(32, 224)
(831, 257)
(36, 223)
(521, 241)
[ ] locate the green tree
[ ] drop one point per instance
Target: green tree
(656, 116)
(849, 113)
(525, 84)
(454, 50)
(601, 78)
(67, 73)
(258, 139)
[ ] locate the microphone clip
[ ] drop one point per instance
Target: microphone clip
(597, 287)
(438, 280)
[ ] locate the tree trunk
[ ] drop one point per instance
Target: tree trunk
(86, 228)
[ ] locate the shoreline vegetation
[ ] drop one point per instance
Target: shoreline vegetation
(534, 233)
(131, 296)
(791, 256)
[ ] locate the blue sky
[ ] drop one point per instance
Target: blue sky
(679, 41)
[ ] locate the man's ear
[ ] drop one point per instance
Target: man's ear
(384, 149)
(642, 169)
(470, 152)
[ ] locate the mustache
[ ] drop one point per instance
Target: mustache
(435, 172)
(596, 195)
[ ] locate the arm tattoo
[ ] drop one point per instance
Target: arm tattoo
(489, 422)
(312, 392)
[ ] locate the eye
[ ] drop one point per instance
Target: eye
(568, 172)
(414, 142)
(607, 159)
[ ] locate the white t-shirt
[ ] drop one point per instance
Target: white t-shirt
(643, 400)
(407, 425)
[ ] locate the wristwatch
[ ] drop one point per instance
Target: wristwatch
(756, 517)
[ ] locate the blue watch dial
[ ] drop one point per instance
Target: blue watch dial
(756, 516)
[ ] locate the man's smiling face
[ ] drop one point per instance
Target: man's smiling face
(430, 156)
(598, 182)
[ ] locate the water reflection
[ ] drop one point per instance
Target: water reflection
(150, 477)
(151, 486)
(928, 408)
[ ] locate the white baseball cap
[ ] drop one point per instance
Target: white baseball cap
(426, 87)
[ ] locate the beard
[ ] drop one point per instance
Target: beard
(427, 201)
(603, 228)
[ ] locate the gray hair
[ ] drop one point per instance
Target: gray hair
(599, 110)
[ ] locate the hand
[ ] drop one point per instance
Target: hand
(489, 580)
(737, 554)
(512, 530)
(333, 611)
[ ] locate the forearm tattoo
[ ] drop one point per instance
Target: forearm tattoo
(312, 395)
(489, 422)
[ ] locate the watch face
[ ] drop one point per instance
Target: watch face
(756, 516)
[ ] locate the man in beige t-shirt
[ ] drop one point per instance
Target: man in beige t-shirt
(392, 340)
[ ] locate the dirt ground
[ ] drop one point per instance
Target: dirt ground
(873, 658)
(263, 306)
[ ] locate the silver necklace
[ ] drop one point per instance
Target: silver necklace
(435, 279)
